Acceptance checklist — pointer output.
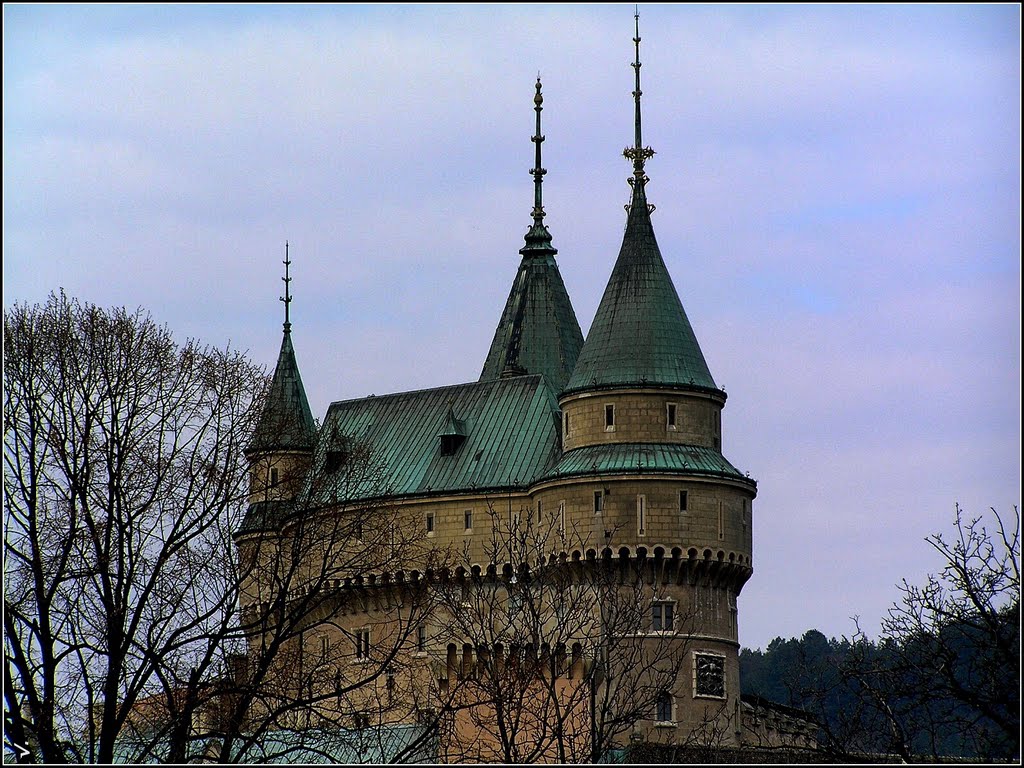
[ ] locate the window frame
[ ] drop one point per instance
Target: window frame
(663, 612)
(719, 659)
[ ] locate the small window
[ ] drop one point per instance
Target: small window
(671, 416)
(362, 644)
(721, 520)
(684, 501)
(540, 510)
(664, 707)
(746, 513)
(641, 514)
(421, 639)
(609, 418)
(430, 523)
(561, 516)
(598, 502)
(357, 526)
(662, 616)
(273, 476)
(565, 424)
(467, 517)
(325, 648)
(709, 675)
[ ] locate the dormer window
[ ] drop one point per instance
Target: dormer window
(450, 444)
(335, 460)
(452, 434)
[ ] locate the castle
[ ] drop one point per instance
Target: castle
(541, 564)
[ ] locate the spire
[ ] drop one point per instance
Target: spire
(538, 331)
(638, 153)
(286, 422)
(287, 299)
(640, 336)
(538, 239)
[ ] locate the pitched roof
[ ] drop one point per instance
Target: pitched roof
(286, 422)
(538, 331)
(510, 427)
(646, 458)
(640, 335)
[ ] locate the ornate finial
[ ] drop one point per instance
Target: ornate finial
(287, 299)
(638, 153)
(537, 171)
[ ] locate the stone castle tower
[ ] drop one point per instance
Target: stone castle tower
(520, 520)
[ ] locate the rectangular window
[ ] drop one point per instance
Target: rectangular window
(325, 648)
(468, 519)
(684, 501)
(565, 428)
(357, 525)
(561, 516)
(664, 707)
(430, 523)
(641, 514)
(662, 616)
(598, 502)
(273, 476)
(540, 510)
(671, 416)
(709, 675)
(362, 644)
(609, 418)
(746, 513)
(421, 638)
(721, 521)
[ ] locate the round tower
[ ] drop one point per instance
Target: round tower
(643, 472)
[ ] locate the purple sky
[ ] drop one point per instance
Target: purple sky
(837, 192)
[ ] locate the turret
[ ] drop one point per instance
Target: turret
(281, 447)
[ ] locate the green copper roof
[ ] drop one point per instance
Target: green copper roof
(538, 331)
(640, 335)
(510, 427)
(286, 422)
(646, 458)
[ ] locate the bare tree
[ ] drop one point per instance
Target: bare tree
(123, 471)
(161, 605)
(955, 667)
(547, 659)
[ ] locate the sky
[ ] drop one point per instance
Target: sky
(838, 202)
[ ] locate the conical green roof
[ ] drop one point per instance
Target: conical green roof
(286, 423)
(538, 331)
(640, 336)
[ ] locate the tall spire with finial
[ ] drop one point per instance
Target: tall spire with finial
(538, 172)
(286, 423)
(638, 153)
(538, 239)
(287, 299)
(640, 337)
(538, 331)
